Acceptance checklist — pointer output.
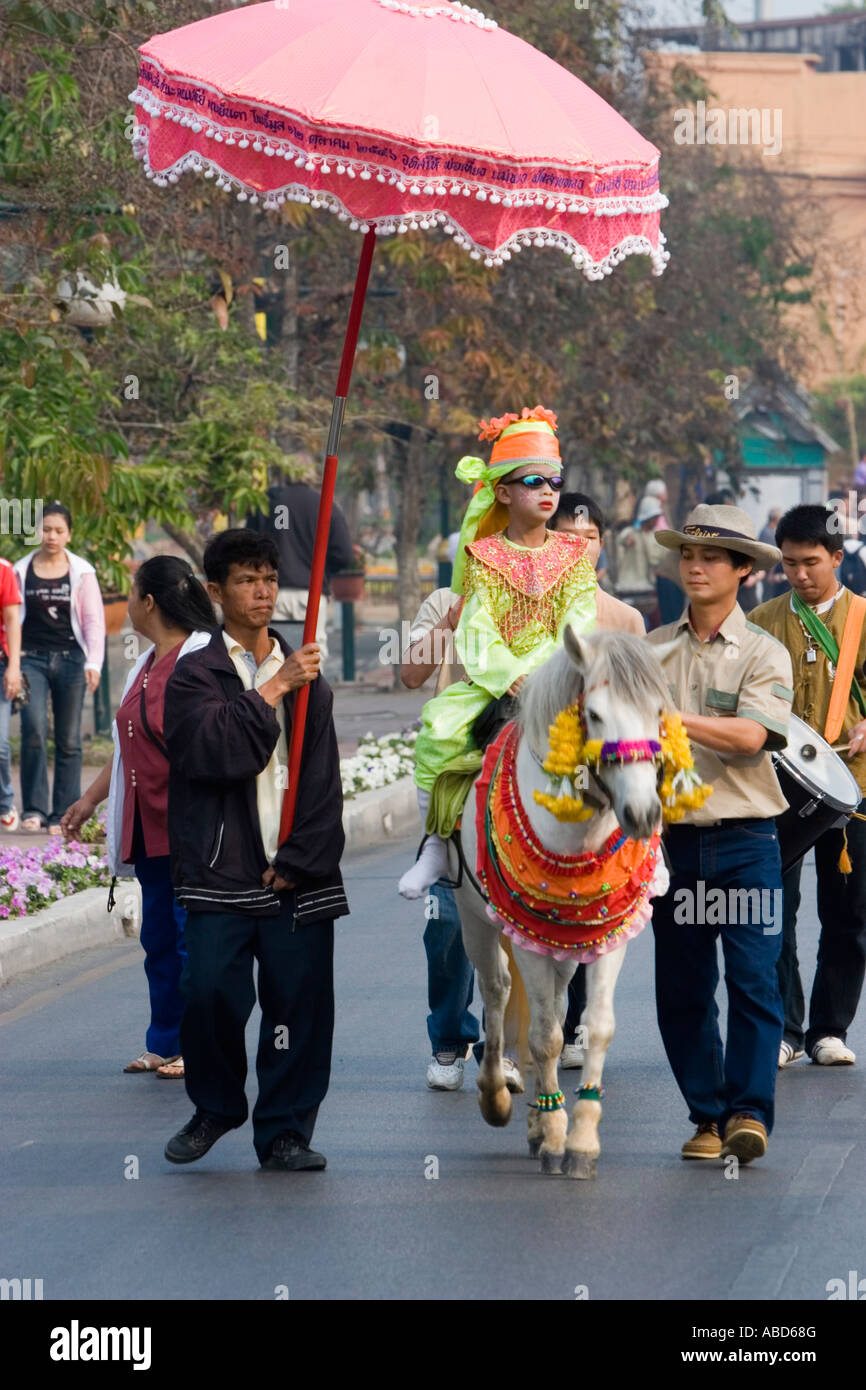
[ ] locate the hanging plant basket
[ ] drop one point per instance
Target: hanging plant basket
(115, 607)
(348, 586)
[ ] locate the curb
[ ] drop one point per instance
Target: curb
(70, 925)
(81, 921)
(388, 813)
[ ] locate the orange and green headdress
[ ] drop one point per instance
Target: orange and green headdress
(527, 438)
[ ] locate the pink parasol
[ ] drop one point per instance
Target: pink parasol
(396, 116)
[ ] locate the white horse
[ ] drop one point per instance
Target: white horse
(624, 696)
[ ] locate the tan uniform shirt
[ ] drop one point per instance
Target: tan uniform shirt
(741, 672)
(813, 680)
(612, 613)
(270, 783)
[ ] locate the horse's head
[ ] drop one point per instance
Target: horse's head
(618, 680)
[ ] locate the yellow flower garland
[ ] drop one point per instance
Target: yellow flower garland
(681, 788)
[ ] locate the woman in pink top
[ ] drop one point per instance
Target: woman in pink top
(168, 605)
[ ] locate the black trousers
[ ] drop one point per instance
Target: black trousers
(296, 994)
(576, 1004)
(841, 946)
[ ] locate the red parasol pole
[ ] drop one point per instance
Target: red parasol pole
(323, 525)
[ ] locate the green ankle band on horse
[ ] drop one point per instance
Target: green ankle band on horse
(555, 1100)
(589, 1092)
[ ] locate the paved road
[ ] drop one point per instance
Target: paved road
(372, 1226)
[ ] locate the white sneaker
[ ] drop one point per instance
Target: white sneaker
(571, 1057)
(431, 865)
(445, 1072)
(513, 1079)
(832, 1052)
(789, 1054)
(10, 820)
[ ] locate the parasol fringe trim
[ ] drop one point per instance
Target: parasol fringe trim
(350, 168)
(423, 221)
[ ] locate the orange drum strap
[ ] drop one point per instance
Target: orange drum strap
(841, 691)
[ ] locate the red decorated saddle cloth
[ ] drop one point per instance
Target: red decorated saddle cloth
(568, 906)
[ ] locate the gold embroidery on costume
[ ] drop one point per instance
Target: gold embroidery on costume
(527, 592)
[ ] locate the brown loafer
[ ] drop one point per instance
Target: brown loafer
(745, 1138)
(705, 1143)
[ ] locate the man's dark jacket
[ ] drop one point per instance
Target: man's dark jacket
(295, 540)
(220, 737)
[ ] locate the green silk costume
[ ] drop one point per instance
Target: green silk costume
(518, 602)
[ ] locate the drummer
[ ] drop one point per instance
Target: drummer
(812, 550)
(731, 683)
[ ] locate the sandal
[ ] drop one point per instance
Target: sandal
(170, 1070)
(148, 1061)
(31, 823)
(54, 830)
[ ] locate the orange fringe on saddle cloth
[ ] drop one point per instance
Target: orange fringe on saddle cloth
(575, 907)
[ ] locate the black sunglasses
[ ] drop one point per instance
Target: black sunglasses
(536, 480)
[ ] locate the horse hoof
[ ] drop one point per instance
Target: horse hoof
(578, 1165)
(496, 1107)
(534, 1146)
(551, 1163)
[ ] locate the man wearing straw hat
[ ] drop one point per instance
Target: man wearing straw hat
(731, 683)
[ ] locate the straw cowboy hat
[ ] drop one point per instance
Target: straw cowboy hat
(724, 528)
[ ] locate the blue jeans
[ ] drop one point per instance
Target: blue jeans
(450, 976)
(7, 791)
(741, 1078)
(60, 675)
(162, 939)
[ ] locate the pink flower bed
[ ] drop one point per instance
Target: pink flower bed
(32, 878)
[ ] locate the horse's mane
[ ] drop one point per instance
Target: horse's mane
(625, 661)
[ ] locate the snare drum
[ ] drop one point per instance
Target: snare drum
(820, 790)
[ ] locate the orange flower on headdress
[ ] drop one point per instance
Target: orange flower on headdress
(492, 429)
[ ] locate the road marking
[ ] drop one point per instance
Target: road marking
(817, 1173)
(47, 996)
(764, 1272)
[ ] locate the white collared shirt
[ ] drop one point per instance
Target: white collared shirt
(271, 782)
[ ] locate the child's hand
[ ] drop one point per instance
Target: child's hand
(516, 688)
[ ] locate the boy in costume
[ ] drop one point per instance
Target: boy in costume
(522, 584)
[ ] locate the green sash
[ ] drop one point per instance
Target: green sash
(826, 641)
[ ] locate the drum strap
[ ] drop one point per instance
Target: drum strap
(845, 683)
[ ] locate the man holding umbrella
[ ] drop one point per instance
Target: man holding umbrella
(251, 893)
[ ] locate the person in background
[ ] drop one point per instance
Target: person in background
(63, 648)
(817, 608)
(293, 512)
(580, 515)
(451, 1027)
(169, 607)
(638, 556)
(10, 686)
(852, 570)
(775, 582)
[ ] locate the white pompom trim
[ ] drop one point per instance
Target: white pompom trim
(408, 221)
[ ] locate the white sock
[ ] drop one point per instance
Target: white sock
(432, 863)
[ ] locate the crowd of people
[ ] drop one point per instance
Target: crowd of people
(196, 783)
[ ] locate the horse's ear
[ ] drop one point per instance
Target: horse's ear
(575, 648)
(662, 650)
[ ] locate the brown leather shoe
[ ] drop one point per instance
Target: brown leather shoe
(705, 1142)
(745, 1138)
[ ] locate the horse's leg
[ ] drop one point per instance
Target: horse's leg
(545, 1042)
(583, 1148)
(481, 939)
